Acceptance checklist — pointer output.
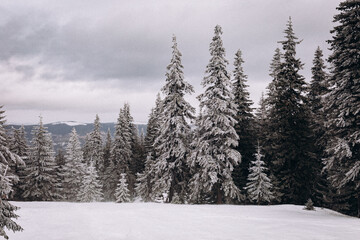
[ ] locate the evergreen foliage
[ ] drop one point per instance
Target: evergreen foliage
(214, 156)
(91, 188)
(170, 167)
(122, 193)
(41, 181)
(7, 179)
(74, 169)
(309, 205)
(245, 123)
(291, 144)
(94, 151)
(259, 186)
(144, 179)
(342, 106)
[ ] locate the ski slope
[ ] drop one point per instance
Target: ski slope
(155, 221)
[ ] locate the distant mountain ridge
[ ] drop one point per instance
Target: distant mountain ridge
(60, 131)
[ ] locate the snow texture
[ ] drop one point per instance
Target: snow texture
(151, 221)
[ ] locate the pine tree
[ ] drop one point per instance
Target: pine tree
(6, 181)
(74, 169)
(122, 193)
(95, 147)
(245, 122)
(318, 89)
(292, 145)
(91, 188)
(342, 162)
(107, 149)
(19, 147)
(144, 179)
(173, 142)
(120, 155)
(214, 156)
(41, 183)
(259, 186)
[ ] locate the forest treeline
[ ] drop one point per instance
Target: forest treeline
(302, 142)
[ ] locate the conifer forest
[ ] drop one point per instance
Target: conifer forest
(300, 145)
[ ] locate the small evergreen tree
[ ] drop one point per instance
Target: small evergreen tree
(19, 147)
(90, 190)
(309, 205)
(214, 156)
(259, 186)
(74, 169)
(144, 179)
(41, 181)
(122, 193)
(94, 149)
(7, 179)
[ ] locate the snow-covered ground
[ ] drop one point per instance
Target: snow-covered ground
(148, 221)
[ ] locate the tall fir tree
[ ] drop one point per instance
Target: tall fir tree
(214, 156)
(291, 148)
(144, 179)
(73, 170)
(122, 193)
(259, 186)
(107, 149)
(318, 89)
(94, 149)
(173, 142)
(91, 187)
(41, 181)
(19, 146)
(245, 123)
(120, 156)
(7, 179)
(342, 108)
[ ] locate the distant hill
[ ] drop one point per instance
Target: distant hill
(60, 131)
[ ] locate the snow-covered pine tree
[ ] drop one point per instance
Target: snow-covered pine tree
(74, 170)
(91, 188)
(120, 156)
(144, 179)
(214, 156)
(41, 181)
(7, 179)
(173, 142)
(259, 186)
(245, 123)
(107, 149)
(135, 161)
(275, 67)
(122, 193)
(318, 89)
(19, 147)
(342, 105)
(292, 145)
(95, 152)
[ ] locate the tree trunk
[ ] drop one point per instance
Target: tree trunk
(219, 194)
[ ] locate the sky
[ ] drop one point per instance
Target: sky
(72, 59)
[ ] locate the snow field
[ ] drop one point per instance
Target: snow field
(150, 221)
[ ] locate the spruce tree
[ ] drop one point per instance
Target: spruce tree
(7, 179)
(214, 156)
(292, 145)
(120, 156)
(107, 149)
(41, 181)
(342, 108)
(318, 89)
(74, 170)
(259, 186)
(173, 142)
(245, 122)
(19, 147)
(95, 152)
(122, 193)
(91, 188)
(144, 179)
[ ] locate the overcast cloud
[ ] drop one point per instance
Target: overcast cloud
(68, 60)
